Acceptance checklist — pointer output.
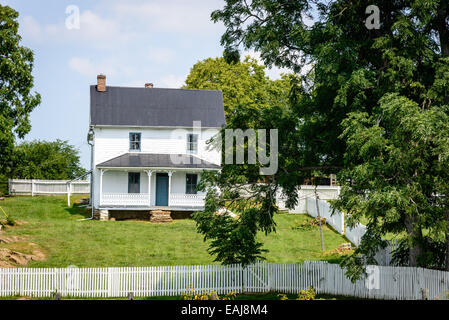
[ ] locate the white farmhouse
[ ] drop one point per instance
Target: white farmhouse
(149, 146)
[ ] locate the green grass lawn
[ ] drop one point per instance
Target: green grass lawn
(55, 229)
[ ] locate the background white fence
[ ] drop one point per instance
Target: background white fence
(307, 191)
(356, 233)
(336, 220)
(47, 187)
(382, 282)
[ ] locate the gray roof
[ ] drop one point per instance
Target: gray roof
(155, 160)
(123, 106)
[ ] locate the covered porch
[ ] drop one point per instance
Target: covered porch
(150, 188)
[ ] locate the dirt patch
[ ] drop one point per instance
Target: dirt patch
(84, 201)
(10, 258)
(10, 239)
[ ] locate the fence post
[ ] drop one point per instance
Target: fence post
(32, 187)
(68, 194)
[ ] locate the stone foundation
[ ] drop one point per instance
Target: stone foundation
(101, 215)
(129, 215)
(181, 215)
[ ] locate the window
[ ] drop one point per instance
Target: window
(192, 143)
(134, 141)
(133, 182)
(191, 182)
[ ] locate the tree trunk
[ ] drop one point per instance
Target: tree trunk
(442, 27)
(416, 248)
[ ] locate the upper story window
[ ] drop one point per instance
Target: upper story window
(135, 141)
(192, 143)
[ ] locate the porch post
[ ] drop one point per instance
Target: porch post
(101, 185)
(170, 173)
(149, 173)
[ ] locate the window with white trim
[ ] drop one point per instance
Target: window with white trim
(192, 143)
(191, 182)
(135, 141)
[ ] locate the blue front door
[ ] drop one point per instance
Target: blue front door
(162, 189)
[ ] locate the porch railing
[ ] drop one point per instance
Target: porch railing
(189, 200)
(125, 199)
(142, 199)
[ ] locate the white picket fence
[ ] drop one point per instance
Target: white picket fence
(47, 187)
(382, 283)
(336, 220)
(304, 193)
(356, 233)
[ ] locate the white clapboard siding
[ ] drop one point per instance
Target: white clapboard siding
(47, 187)
(401, 283)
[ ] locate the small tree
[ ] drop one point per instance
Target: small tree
(51, 160)
(16, 81)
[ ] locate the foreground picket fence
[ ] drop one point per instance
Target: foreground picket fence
(382, 283)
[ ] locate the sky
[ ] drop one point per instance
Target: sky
(132, 42)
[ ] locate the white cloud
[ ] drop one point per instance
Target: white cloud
(31, 28)
(161, 55)
(176, 16)
(171, 81)
(94, 31)
(110, 67)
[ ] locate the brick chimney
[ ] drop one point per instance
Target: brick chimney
(149, 85)
(101, 83)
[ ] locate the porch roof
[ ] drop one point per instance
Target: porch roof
(156, 160)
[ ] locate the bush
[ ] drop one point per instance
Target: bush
(308, 294)
(191, 294)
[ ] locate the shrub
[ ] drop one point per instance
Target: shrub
(308, 294)
(191, 294)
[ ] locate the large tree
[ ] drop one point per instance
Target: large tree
(16, 81)
(361, 80)
(242, 82)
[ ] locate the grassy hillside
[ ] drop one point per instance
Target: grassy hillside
(48, 224)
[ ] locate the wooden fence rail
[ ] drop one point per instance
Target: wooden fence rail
(400, 283)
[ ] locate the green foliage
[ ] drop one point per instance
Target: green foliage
(232, 240)
(243, 83)
(48, 160)
(308, 294)
(6, 220)
(16, 81)
(397, 176)
(191, 294)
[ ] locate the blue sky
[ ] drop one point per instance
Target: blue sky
(132, 42)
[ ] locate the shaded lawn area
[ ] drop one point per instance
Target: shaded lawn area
(55, 228)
